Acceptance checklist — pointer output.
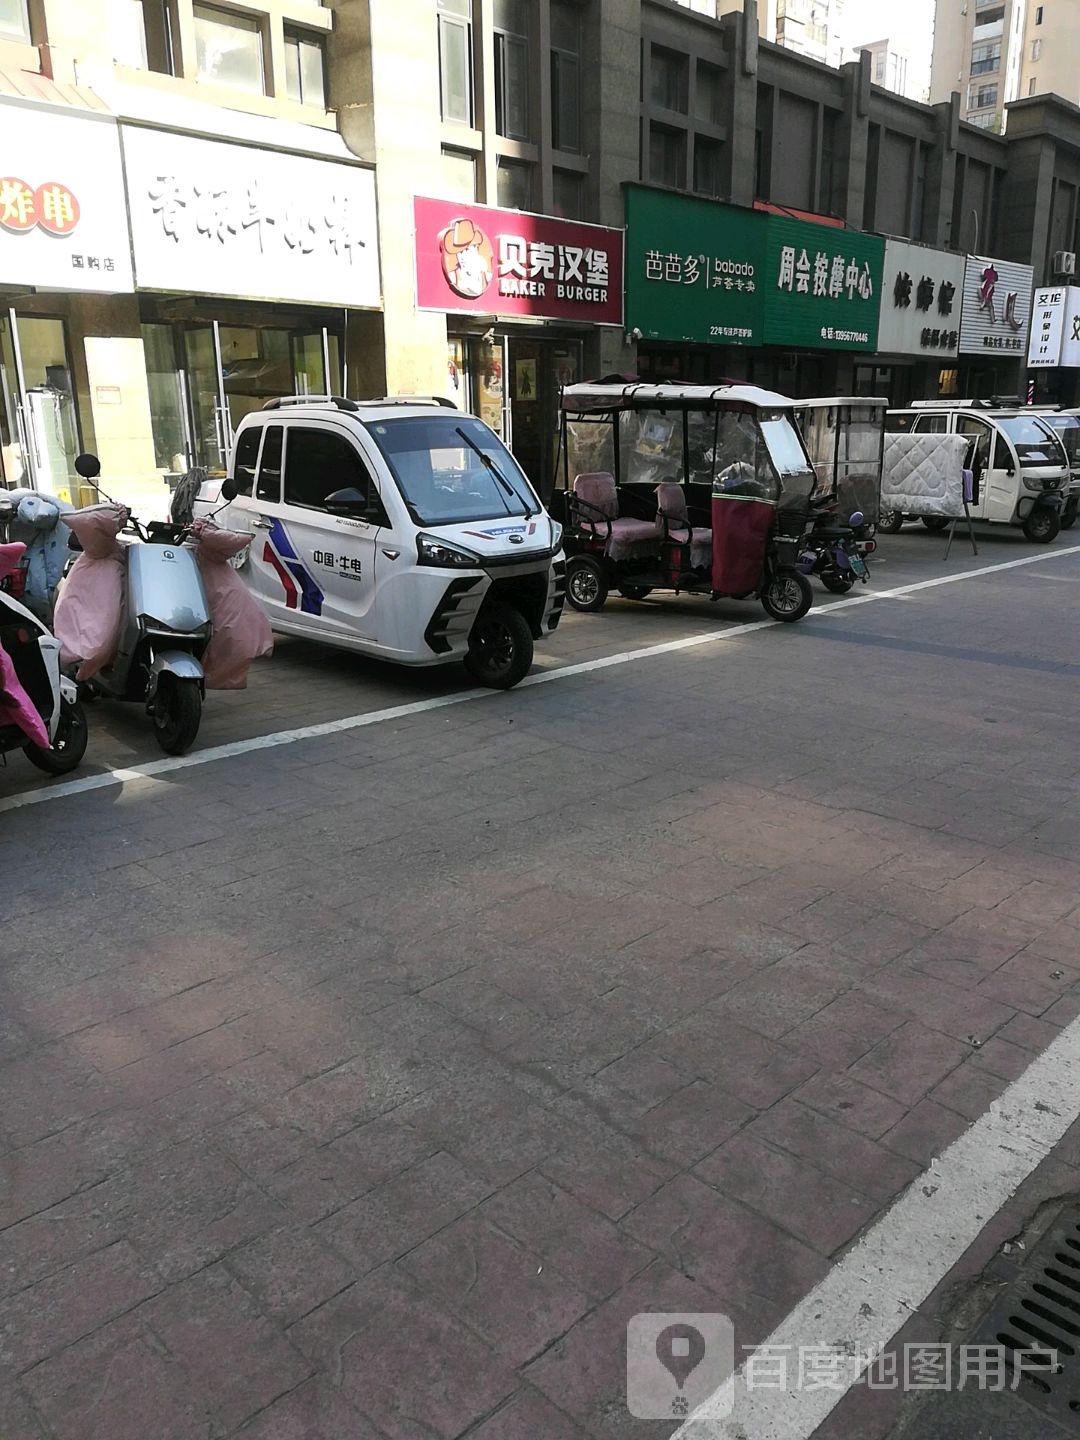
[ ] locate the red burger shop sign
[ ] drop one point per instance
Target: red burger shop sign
(474, 260)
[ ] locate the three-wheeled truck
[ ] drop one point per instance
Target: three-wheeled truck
(695, 489)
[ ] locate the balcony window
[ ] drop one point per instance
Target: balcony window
(709, 94)
(305, 68)
(459, 175)
(985, 59)
(141, 34)
(511, 69)
(667, 156)
(1036, 50)
(669, 80)
(565, 75)
(455, 60)
(707, 166)
(229, 49)
(514, 185)
(14, 21)
(567, 196)
(982, 97)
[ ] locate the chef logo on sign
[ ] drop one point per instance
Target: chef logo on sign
(52, 207)
(988, 301)
(468, 259)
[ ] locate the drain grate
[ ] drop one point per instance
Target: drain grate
(1038, 1315)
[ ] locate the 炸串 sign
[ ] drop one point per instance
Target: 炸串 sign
(63, 220)
(997, 307)
(693, 269)
(1047, 328)
(218, 219)
(920, 301)
(475, 260)
(821, 286)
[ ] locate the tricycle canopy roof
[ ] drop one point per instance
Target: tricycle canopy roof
(632, 395)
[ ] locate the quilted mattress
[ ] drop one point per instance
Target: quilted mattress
(924, 474)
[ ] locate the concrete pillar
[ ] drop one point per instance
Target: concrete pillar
(741, 101)
(941, 173)
(389, 115)
(854, 140)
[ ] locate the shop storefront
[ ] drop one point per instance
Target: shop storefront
(523, 295)
(994, 328)
(717, 292)
(65, 270)
(919, 324)
(250, 265)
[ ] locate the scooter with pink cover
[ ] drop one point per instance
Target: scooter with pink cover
(40, 712)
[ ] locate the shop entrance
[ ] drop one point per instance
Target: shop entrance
(204, 377)
(513, 382)
(39, 423)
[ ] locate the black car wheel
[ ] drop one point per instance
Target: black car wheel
(1042, 526)
(500, 648)
(890, 522)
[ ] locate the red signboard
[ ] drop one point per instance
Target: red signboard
(473, 260)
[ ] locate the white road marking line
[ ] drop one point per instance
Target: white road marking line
(874, 1289)
(438, 702)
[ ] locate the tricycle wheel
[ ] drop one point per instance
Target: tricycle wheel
(787, 596)
(500, 647)
(935, 523)
(1068, 515)
(69, 743)
(1042, 526)
(176, 711)
(635, 592)
(837, 581)
(586, 583)
(890, 522)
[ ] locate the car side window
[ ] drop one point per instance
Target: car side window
(245, 460)
(979, 431)
(269, 482)
(931, 424)
(320, 462)
(1002, 456)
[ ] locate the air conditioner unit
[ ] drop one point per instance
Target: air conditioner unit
(1065, 262)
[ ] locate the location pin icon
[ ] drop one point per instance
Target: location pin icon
(680, 1349)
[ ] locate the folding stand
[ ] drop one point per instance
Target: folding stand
(969, 487)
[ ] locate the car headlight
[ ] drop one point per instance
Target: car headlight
(431, 551)
(1032, 482)
(556, 535)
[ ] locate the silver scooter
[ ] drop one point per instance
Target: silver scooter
(164, 630)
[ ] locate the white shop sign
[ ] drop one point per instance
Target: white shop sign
(211, 218)
(997, 307)
(1047, 325)
(920, 301)
(63, 221)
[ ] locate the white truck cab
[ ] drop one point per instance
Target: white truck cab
(401, 528)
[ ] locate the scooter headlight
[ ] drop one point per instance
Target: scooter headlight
(432, 551)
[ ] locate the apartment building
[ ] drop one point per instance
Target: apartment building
(888, 66)
(1051, 46)
(979, 52)
(807, 27)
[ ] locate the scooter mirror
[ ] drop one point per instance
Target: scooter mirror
(88, 466)
(229, 491)
(856, 519)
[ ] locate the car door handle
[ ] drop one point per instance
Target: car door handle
(391, 554)
(260, 524)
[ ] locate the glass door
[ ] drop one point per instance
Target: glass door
(40, 431)
(211, 428)
(166, 380)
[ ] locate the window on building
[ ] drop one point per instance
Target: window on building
(459, 174)
(982, 97)
(565, 75)
(708, 155)
(514, 181)
(141, 34)
(512, 69)
(709, 93)
(668, 84)
(986, 58)
(1036, 49)
(1038, 14)
(989, 16)
(1032, 83)
(455, 60)
(229, 49)
(667, 156)
(14, 21)
(305, 68)
(568, 189)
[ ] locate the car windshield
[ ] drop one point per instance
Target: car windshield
(1035, 445)
(452, 468)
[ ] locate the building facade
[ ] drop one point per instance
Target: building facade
(888, 67)
(979, 50)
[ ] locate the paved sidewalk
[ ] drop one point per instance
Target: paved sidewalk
(365, 1088)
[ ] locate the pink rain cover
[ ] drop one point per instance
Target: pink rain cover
(16, 707)
(90, 602)
(241, 630)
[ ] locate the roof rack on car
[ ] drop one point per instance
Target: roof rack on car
(341, 401)
(411, 400)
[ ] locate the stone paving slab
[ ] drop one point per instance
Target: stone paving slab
(366, 1087)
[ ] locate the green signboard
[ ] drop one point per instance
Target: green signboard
(693, 269)
(821, 286)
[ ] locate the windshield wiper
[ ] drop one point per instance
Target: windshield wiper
(489, 464)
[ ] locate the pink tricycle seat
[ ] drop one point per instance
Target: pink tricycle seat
(671, 507)
(595, 508)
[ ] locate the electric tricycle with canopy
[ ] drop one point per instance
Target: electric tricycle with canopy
(691, 488)
(845, 438)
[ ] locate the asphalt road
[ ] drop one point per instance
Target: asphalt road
(366, 1085)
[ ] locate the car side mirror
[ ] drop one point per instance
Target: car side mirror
(88, 466)
(349, 501)
(229, 490)
(1011, 470)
